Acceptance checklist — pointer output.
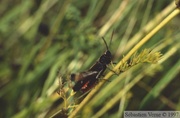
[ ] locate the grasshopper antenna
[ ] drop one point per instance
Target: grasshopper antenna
(107, 47)
(111, 38)
(105, 43)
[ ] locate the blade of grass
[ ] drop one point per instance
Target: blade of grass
(114, 18)
(154, 93)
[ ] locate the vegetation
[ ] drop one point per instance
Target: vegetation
(43, 41)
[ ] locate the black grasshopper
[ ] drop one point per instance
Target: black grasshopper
(84, 81)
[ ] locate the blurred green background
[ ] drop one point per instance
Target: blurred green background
(39, 38)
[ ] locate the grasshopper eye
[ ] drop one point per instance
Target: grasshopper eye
(108, 54)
